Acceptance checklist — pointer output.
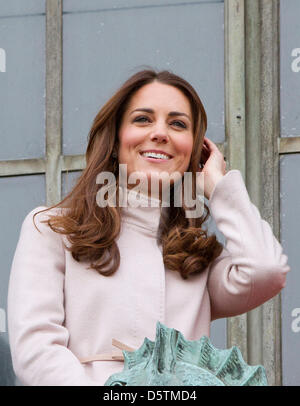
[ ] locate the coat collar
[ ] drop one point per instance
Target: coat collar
(141, 210)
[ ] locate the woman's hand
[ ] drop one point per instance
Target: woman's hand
(213, 166)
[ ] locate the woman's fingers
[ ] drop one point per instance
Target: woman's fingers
(212, 146)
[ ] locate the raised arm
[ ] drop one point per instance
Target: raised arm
(37, 336)
(252, 267)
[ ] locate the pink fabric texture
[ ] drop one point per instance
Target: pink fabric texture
(60, 312)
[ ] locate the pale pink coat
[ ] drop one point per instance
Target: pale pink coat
(60, 312)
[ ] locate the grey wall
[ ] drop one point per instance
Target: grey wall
(290, 67)
(22, 131)
(290, 187)
(290, 221)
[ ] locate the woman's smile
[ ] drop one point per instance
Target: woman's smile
(156, 156)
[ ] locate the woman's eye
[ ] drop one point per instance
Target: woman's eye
(181, 124)
(141, 119)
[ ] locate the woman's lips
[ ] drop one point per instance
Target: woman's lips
(156, 160)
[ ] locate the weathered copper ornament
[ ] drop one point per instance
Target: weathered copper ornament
(174, 361)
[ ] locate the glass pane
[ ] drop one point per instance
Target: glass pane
(15, 204)
(290, 67)
(290, 220)
(21, 8)
(22, 79)
(68, 181)
(92, 5)
(106, 42)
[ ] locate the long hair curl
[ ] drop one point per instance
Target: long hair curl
(92, 230)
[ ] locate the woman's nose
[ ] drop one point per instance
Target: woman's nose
(160, 134)
(159, 137)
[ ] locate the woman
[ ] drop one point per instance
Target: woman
(88, 274)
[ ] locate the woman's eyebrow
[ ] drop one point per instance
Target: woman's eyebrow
(172, 113)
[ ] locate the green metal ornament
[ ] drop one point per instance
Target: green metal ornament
(174, 361)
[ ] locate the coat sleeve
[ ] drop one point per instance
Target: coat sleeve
(252, 268)
(35, 306)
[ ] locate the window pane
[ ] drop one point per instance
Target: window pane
(105, 43)
(290, 67)
(68, 182)
(22, 79)
(290, 220)
(19, 195)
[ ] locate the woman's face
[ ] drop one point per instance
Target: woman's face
(158, 119)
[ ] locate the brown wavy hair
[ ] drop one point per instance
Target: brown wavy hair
(92, 230)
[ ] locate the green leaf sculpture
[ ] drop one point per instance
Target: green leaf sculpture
(174, 361)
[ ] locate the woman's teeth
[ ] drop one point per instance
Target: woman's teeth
(155, 155)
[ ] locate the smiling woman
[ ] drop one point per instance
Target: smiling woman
(122, 135)
(88, 274)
